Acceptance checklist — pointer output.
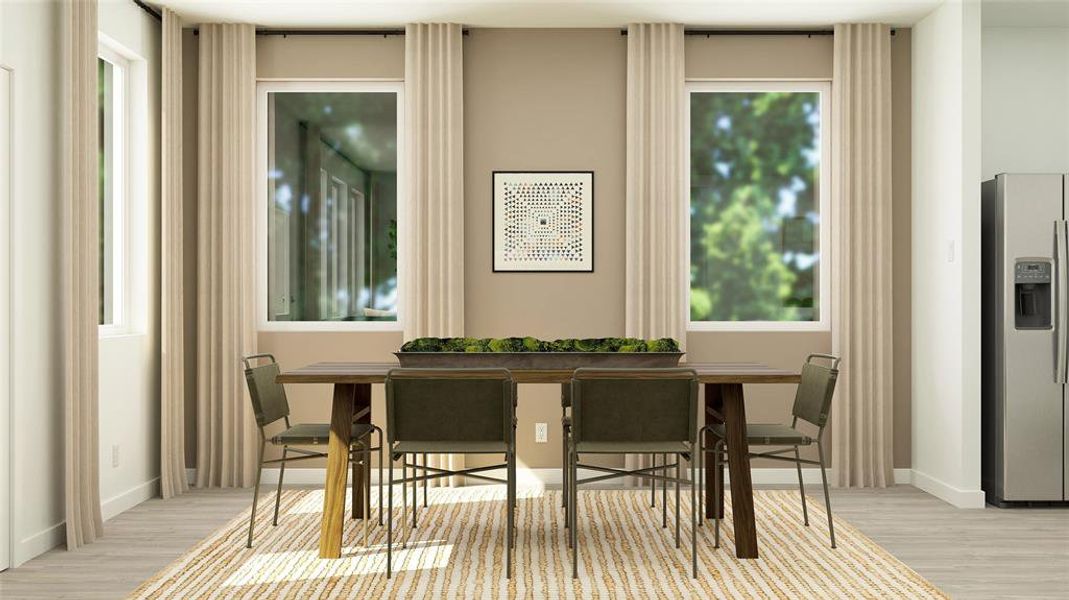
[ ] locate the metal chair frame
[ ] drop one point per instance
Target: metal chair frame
(428, 472)
(359, 454)
(572, 481)
(566, 429)
(719, 452)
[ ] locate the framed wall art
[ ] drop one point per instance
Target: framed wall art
(543, 221)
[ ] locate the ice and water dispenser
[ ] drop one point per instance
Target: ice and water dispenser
(1032, 294)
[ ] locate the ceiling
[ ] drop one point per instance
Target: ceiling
(549, 13)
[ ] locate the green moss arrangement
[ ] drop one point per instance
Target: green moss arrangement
(530, 344)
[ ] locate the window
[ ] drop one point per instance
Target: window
(758, 196)
(112, 111)
(329, 224)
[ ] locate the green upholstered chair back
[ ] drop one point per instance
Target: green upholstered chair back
(269, 402)
(635, 405)
(812, 401)
(454, 405)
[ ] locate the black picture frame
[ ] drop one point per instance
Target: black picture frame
(493, 220)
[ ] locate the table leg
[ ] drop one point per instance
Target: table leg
(714, 413)
(739, 467)
(341, 423)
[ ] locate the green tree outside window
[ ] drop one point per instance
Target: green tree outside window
(754, 206)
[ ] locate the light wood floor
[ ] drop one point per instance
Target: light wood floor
(986, 553)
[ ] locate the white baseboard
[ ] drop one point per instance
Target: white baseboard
(37, 544)
(120, 503)
(552, 476)
(944, 491)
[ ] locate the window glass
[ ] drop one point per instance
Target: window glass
(332, 206)
(755, 160)
(110, 116)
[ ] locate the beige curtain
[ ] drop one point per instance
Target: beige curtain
(80, 277)
(656, 261)
(433, 280)
(227, 441)
(172, 346)
(861, 273)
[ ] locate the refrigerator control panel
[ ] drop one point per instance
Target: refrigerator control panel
(1032, 272)
(1032, 294)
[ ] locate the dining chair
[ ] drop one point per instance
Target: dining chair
(450, 411)
(566, 430)
(633, 411)
(812, 402)
(270, 405)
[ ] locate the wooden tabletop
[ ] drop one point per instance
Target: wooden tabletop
(368, 372)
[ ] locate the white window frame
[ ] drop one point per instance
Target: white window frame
(121, 186)
(267, 86)
(823, 87)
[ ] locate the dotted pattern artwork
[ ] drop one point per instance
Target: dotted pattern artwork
(543, 222)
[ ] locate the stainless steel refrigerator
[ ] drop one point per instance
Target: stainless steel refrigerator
(1025, 339)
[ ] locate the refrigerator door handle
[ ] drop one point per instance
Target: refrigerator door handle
(1061, 260)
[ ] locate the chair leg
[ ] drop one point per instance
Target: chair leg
(827, 497)
(564, 469)
(701, 480)
(366, 492)
(367, 480)
(425, 481)
(511, 516)
(679, 459)
(694, 516)
(355, 492)
(569, 483)
(801, 486)
(664, 491)
(415, 487)
(382, 462)
(404, 500)
(653, 482)
(575, 515)
(389, 526)
(255, 493)
(278, 491)
(717, 482)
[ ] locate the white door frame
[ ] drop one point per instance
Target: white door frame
(6, 84)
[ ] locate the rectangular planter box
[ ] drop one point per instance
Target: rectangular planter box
(549, 361)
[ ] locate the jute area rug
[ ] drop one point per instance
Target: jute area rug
(457, 552)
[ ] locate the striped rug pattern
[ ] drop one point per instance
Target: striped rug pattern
(457, 552)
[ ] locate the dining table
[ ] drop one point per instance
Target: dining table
(723, 403)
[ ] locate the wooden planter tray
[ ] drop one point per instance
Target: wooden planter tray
(539, 360)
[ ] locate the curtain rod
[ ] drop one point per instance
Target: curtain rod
(149, 10)
(289, 32)
(715, 32)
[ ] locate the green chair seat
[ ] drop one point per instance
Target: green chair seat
(449, 447)
(315, 434)
(628, 447)
(768, 434)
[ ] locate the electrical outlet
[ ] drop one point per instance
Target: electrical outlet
(541, 433)
(115, 456)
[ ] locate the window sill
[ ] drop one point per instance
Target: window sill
(105, 332)
(758, 327)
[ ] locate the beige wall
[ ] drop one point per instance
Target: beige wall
(555, 99)
(539, 99)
